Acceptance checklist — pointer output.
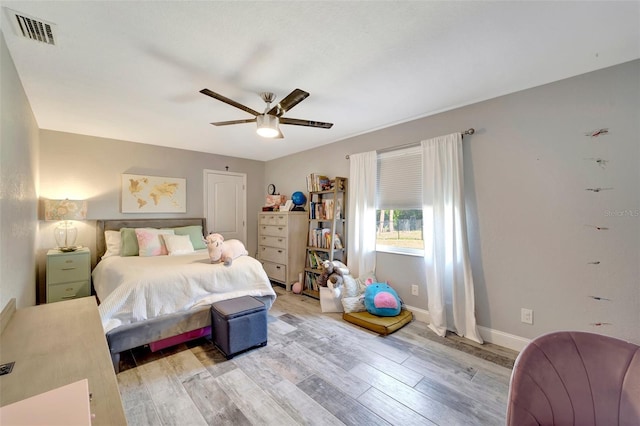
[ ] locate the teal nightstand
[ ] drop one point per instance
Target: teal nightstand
(68, 274)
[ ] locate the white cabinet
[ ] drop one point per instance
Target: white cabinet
(281, 245)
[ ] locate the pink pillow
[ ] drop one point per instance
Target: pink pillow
(150, 243)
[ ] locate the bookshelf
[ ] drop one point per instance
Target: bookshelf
(326, 239)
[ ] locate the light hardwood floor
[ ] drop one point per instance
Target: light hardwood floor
(319, 370)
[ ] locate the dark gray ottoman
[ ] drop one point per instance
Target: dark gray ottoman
(238, 324)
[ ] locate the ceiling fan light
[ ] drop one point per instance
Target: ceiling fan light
(267, 125)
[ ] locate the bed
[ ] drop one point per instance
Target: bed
(164, 300)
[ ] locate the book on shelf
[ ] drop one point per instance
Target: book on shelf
(316, 259)
(322, 210)
(313, 235)
(328, 208)
(317, 182)
(337, 242)
(324, 183)
(326, 238)
(320, 238)
(311, 282)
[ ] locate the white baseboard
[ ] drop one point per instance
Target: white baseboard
(503, 339)
(490, 335)
(419, 314)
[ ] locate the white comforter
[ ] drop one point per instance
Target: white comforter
(134, 288)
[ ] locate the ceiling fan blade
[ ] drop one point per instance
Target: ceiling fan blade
(226, 100)
(289, 101)
(308, 123)
(226, 123)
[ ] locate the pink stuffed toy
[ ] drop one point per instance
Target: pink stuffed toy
(224, 251)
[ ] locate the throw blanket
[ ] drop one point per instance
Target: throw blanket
(133, 288)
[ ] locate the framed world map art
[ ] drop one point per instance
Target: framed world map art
(153, 194)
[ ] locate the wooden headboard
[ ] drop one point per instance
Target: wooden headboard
(116, 224)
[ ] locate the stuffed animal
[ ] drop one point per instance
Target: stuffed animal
(381, 300)
(224, 251)
(353, 294)
(332, 277)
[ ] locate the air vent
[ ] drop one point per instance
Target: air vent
(32, 28)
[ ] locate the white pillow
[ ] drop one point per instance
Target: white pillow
(351, 287)
(178, 244)
(112, 241)
(353, 304)
(362, 281)
(150, 243)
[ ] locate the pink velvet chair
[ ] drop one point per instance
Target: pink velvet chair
(575, 378)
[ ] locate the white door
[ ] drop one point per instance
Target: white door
(225, 203)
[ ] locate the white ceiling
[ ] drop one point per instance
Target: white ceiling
(132, 70)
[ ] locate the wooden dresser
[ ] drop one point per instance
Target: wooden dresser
(282, 240)
(57, 344)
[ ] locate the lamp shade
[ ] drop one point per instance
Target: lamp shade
(65, 211)
(268, 125)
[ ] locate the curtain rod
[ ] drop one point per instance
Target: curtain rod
(408, 145)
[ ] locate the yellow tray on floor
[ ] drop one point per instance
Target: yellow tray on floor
(381, 325)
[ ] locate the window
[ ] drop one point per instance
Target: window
(399, 198)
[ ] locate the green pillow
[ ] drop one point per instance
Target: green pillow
(195, 235)
(129, 242)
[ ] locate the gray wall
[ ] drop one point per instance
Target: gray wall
(86, 167)
(18, 179)
(532, 220)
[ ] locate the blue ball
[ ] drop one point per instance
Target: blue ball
(298, 198)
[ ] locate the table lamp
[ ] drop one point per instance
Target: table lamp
(66, 211)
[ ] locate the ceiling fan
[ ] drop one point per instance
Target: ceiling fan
(269, 121)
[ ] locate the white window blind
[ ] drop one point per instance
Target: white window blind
(399, 180)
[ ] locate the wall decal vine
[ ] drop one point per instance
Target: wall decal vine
(597, 189)
(598, 132)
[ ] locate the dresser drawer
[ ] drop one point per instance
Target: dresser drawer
(278, 242)
(273, 231)
(61, 269)
(58, 292)
(267, 219)
(275, 271)
(273, 219)
(281, 219)
(272, 254)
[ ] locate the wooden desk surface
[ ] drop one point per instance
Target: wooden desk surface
(57, 344)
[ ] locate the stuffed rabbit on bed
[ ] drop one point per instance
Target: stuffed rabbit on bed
(224, 251)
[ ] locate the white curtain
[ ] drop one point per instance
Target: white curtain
(361, 252)
(448, 270)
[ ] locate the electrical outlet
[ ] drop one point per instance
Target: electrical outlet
(526, 315)
(414, 290)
